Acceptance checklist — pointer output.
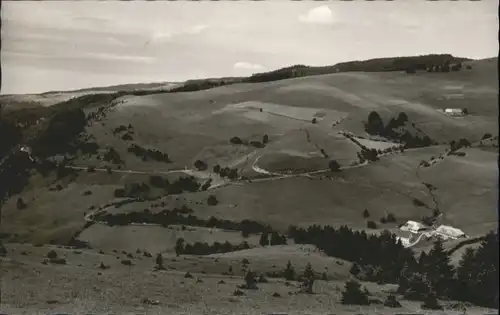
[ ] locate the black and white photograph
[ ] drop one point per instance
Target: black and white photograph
(249, 157)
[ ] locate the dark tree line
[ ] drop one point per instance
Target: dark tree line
(146, 154)
(231, 173)
(273, 238)
(475, 280)
(176, 187)
(167, 217)
(199, 248)
(383, 259)
(370, 253)
(395, 130)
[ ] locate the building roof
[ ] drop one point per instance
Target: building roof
(413, 225)
(449, 230)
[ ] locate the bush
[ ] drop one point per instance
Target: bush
(486, 136)
(392, 302)
(236, 140)
(216, 169)
(3, 250)
(354, 295)
(119, 193)
(200, 165)
(366, 214)
(289, 272)
(334, 166)
(308, 279)
(233, 174)
(250, 282)
(391, 218)
(264, 239)
(158, 181)
(265, 139)
(371, 225)
(212, 200)
(159, 262)
(314, 120)
(126, 262)
(20, 203)
(431, 302)
(52, 254)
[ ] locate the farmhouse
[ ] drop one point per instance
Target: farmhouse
(454, 111)
(413, 227)
(446, 231)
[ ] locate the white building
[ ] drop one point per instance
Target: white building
(446, 231)
(413, 227)
(454, 111)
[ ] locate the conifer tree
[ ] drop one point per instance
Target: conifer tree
(289, 272)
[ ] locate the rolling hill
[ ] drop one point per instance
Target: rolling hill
(292, 152)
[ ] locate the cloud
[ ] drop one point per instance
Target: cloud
(247, 66)
(159, 37)
(197, 29)
(319, 15)
(114, 57)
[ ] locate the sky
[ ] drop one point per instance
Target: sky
(65, 45)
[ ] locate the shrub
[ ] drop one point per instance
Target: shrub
(200, 165)
(366, 214)
(391, 218)
(354, 295)
(257, 144)
(159, 262)
(383, 220)
(334, 166)
(236, 140)
(216, 169)
(418, 202)
(187, 275)
(265, 139)
(314, 120)
(250, 282)
(371, 225)
(179, 246)
(212, 200)
(52, 254)
(3, 250)
(238, 292)
(308, 279)
(20, 203)
(431, 302)
(233, 174)
(289, 272)
(58, 261)
(262, 279)
(392, 302)
(126, 262)
(486, 136)
(264, 239)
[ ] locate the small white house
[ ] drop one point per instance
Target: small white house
(454, 111)
(450, 232)
(414, 227)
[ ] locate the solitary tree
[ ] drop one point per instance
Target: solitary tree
(264, 239)
(354, 295)
(159, 262)
(289, 272)
(179, 246)
(265, 139)
(250, 282)
(334, 166)
(308, 279)
(366, 214)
